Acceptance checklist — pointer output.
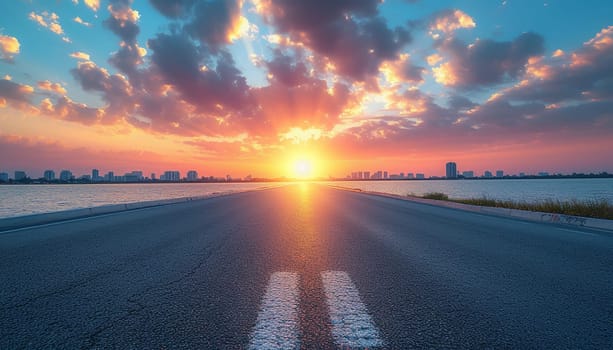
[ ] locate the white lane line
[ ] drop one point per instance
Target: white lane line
(277, 323)
(352, 326)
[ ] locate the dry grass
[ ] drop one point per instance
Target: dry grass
(601, 209)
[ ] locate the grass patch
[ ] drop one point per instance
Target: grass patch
(600, 209)
(436, 195)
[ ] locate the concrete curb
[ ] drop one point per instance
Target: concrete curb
(552, 218)
(18, 222)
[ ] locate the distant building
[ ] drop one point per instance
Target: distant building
(131, 177)
(487, 173)
(65, 175)
(171, 175)
(410, 176)
(499, 173)
(20, 175)
(543, 173)
(385, 175)
(96, 175)
(49, 175)
(451, 170)
(110, 176)
(468, 174)
(4, 177)
(420, 176)
(367, 175)
(153, 176)
(522, 174)
(192, 175)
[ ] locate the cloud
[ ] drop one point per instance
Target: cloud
(402, 71)
(204, 80)
(80, 55)
(82, 22)
(115, 88)
(53, 87)
(123, 20)
(585, 75)
(350, 34)
(50, 21)
(216, 23)
(15, 94)
(66, 109)
(92, 4)
(286, 70)
(9, 48)
(486, 62)
(173, 8)
(448, 21)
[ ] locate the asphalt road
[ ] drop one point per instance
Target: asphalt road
(305, 266)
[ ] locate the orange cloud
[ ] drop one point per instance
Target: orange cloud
(445, 74)
(50, 21)
(80, 55)
(433, 59)
(9, 47)
(92, 4)
(53, 87)
(80, 21)
(449, 21)
(558, 53)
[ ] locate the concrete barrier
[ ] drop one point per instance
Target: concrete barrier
(552, 218)
(71, 214)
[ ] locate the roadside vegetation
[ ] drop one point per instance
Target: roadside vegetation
(600, 209)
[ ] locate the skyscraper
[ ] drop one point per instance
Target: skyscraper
(451, 170)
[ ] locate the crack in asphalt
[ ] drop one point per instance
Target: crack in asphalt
(91, 339)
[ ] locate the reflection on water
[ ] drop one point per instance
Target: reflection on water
(18, 200)
(519, 190)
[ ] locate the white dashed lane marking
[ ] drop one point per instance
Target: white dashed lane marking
(352, 326)
(277, 324)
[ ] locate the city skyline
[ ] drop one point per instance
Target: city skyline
(306, 89)
(450, 169)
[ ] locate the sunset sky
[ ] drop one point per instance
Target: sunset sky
(261, 87)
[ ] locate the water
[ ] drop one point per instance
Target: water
(530, 190)
(16, 200)
(19, 200)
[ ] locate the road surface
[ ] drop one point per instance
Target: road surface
(305, 266)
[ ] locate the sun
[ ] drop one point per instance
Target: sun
(302, 168)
